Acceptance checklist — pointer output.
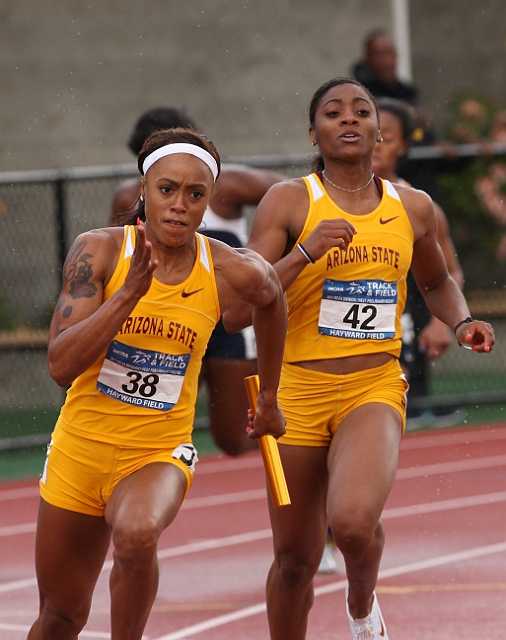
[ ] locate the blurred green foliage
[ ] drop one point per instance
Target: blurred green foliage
(474, 197)
(475, 232)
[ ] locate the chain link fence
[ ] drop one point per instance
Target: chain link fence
(41, 213)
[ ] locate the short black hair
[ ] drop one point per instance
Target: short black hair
(371, 37)
(155, 120)
(317, 160)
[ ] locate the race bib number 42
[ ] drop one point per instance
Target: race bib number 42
(358, 310)
(143, 378)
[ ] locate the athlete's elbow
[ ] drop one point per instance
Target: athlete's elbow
(237, 318)
(60, 378)
(59, 372)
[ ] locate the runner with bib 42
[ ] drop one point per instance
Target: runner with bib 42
(342, 242)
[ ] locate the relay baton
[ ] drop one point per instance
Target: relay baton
(270, 452)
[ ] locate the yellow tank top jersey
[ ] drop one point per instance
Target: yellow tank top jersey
(350, 302)
(142, 391)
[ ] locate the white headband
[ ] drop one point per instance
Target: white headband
(181, 147)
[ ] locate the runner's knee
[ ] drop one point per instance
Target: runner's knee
(353, 535)
(135, 542)
(294, 571)
(63, 621)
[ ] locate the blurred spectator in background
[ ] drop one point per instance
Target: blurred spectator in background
(473, 121)
(229, 358)
(378, 69)
(378, 72)
(498, 133)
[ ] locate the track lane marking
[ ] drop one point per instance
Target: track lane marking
(406, 473)
(25, 628)
(421, 565)
(498, 432)
(16, 529)
(262, 534)
(253, 461)
(444, 505)
(455, 466)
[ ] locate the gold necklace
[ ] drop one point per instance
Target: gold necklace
(348, 190)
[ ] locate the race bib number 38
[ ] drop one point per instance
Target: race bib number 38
(143, 378)
(358, 310)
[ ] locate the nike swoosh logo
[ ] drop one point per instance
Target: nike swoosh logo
(187, 294)
(388, 220)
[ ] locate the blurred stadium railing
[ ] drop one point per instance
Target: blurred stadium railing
(42, 212)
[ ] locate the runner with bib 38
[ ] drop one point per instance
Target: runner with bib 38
(342, 242)
(132, 323)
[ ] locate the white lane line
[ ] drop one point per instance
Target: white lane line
(190, 503)
(263, 534)
(225, 498)
(441, 439)
(18, 584)
(260, 494)
(26, 628)
(16, 529)
(206, 545)
(450, 467)
(421, 565)
(444, 505)
(202, 469)
(253, 461)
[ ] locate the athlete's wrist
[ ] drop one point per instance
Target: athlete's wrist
(306, 255)
(268, 398)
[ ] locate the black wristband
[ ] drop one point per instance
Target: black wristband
(467, 320)
(305, 253)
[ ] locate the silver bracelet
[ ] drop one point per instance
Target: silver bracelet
(305, 254)
(466, 321)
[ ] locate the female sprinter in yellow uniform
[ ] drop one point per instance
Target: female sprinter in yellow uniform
(131, 325)
(228, 358)
(342, 242)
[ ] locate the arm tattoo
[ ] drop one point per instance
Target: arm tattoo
(67, 311)
(77, 272)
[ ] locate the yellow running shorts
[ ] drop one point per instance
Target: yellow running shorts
(80, 474)
(314, 403)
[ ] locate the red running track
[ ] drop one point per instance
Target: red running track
(443, 573)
